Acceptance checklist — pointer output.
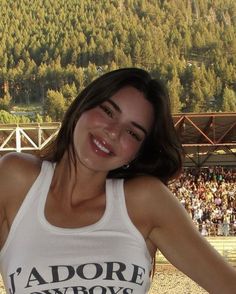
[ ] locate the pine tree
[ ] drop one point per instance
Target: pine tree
(54, 105)
(229, 100)
(175, 92)
(5, 102)
(69, 93)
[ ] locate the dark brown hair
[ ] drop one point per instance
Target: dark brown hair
(161, 152)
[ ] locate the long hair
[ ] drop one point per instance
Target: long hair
(161, 152)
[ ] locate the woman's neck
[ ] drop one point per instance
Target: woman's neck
(78, 183)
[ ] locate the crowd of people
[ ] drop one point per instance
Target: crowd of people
(209, 196)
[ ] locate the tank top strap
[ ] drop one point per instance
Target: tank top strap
(119, 210)
(118, 195)
(39, 186)
(43, 181)
(115, 196)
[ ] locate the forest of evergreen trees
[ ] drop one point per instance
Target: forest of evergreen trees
(51, 49)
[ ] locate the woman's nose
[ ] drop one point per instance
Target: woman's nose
(113, 130)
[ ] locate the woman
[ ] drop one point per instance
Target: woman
(90, 216)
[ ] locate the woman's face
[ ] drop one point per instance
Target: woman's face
(110, 135)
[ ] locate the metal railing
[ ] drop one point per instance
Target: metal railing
(214, 229)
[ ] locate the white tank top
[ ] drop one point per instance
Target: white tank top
(107, 257)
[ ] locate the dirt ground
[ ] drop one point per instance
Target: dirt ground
(167, 280)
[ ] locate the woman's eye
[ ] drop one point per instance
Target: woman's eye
(107, 110)
(134, 135)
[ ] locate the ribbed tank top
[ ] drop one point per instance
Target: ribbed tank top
(107, 257)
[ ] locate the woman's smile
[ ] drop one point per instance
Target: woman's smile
(101, 147)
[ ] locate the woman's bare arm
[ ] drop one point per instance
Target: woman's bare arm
(180, 242)
(17, 173)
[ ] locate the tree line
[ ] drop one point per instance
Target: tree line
(51, 49)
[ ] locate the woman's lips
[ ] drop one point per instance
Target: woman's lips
(101, 146)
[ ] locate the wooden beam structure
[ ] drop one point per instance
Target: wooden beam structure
(207, 138)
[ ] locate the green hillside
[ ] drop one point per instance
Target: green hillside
(51, 49)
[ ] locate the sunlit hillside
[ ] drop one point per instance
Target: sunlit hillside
(51, 49)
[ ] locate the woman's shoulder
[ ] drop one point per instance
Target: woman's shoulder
(14, 163)
(145, 192)
(148, 185)
(151, 194)
(17, 172)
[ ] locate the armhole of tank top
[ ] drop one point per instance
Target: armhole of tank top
(119, 191)
(36, 186)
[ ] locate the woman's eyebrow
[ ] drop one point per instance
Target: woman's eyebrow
(139, 127)
(117, 108)
(114, 105)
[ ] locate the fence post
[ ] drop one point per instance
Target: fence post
(18, 140)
